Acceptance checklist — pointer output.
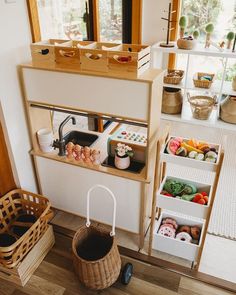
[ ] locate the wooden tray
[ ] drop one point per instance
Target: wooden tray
(22, 273)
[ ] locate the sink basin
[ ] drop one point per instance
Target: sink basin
(81, 138)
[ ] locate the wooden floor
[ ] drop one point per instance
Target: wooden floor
(55, 276)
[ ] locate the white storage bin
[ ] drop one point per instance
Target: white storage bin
(182, 206)
(184, 161)
(175, 247)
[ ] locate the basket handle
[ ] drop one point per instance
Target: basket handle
(112, 233)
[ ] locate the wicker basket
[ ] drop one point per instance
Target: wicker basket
(201, 106)
(186, 44)
(171, 78)
(96, 257)
(12, 205)
(203, 83)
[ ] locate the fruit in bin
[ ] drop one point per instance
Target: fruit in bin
(173, 145)
(204, 194)
(165, 193)
(190, 148)
(182, 152)
(193, 143)
(200, 199)
(190, 189)
(199, 157)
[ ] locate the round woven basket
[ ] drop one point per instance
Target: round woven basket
(201, 106)
(96, 257)
(186, 44)
(171, 101)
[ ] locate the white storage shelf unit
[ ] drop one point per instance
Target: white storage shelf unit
(173, 246)
(219, 87)
(182, 206)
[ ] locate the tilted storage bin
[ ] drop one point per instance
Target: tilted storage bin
(12, 205)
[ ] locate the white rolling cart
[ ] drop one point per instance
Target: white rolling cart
(194, 214)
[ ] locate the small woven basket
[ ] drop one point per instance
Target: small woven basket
(186, 44)
(201, 106)
(12, 205)
(96, 257)
(175, 79)
(203, 83)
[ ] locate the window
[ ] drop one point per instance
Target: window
(222, 13)
(101, 20)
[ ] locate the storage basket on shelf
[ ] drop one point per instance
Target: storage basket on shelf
(95, 253)
(18, 203)
(173, 77)
(228, 109)
(203, 80)
(186, 44)
(201, 105)
(171, 100)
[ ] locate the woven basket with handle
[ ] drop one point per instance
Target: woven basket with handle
(96, 257)
(12, 205)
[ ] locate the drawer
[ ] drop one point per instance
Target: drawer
(182, 206)
(184, 161)
(175, 247)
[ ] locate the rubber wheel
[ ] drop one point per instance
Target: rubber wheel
(127, 273)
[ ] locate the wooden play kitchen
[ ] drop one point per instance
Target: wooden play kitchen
(182, 230)
(25, 236)
(125, 101)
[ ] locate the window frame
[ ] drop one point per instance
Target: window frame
(136, 22)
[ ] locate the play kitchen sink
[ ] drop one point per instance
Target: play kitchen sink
(77, 137)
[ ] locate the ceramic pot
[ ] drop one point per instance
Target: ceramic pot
(234, 83)
(122, 162)
(228, 109)
(172, 100)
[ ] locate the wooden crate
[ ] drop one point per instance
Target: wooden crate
(43, 53)
(67, 55)
(133, 59)
(24, 270)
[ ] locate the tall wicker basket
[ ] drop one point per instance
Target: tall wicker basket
(12, 205)
(96, 257)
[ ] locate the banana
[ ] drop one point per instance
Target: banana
(190, 148)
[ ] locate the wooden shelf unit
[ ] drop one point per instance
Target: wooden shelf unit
(219, 87)
(194, 214)
(65, 182)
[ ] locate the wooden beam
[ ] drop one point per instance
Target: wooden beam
(34, 20)
(136, 21)
(174, 33)
(96, 23)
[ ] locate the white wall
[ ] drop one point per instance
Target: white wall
(152, 28)
(14, 50)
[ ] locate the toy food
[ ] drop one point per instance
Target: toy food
(184, 236)
(167, 231)
(174, 187)
(190, 189)
(184, 228)
(200, 198)
(195, 232)
(193, 149)
(187, 197)
(170, 221)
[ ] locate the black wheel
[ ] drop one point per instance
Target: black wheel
(127, 273)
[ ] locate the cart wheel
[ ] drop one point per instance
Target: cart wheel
(127, 273)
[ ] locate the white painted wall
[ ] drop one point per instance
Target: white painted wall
(152, 28)
(14, 50)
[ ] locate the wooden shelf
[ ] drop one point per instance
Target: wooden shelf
(198, 50)
(125, 174)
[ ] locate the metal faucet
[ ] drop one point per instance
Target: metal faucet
(60, 143)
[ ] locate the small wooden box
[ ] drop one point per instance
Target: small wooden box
(24, 270)
(94, 60)
(133, 59)
(43, 53)
(67, 55)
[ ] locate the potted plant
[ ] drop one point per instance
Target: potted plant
(196, 34)
(230, 37)
(122, 156)
(209, 30)
(182, 24)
